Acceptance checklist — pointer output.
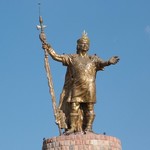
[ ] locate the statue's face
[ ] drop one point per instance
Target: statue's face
(83, 46)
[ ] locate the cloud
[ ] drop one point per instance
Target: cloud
(147, 29)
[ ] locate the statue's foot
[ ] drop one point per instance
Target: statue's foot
(69, 131)
(88, 130)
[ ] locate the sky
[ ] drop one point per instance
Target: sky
(118, 27)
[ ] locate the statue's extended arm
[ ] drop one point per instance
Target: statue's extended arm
(52, 53)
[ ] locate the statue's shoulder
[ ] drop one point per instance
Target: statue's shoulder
(70, 55)
(73, 55)
(94, 57)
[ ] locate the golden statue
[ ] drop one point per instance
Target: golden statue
(79, 92)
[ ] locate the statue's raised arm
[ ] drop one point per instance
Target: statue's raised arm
(52, 53)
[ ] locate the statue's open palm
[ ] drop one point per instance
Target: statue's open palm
(113, 60)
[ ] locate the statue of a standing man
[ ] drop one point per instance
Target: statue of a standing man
(79, 92)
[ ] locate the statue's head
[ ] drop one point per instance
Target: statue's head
(83, 43)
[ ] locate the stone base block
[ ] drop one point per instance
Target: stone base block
(89, 141)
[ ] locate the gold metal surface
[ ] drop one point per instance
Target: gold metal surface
(58, 113)
(79, 92)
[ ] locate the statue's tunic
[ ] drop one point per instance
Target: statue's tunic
(80, 78)
(83, 73)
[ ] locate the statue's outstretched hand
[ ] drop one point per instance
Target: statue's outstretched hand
(45, 46)
(113, 60)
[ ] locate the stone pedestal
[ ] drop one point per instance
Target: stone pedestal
(89, 141)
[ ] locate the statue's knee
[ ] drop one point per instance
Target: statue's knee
(90, 109)
(75, 107)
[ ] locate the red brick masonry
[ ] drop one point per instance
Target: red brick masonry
(90, 141)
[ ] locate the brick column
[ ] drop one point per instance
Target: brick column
(89, 141)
